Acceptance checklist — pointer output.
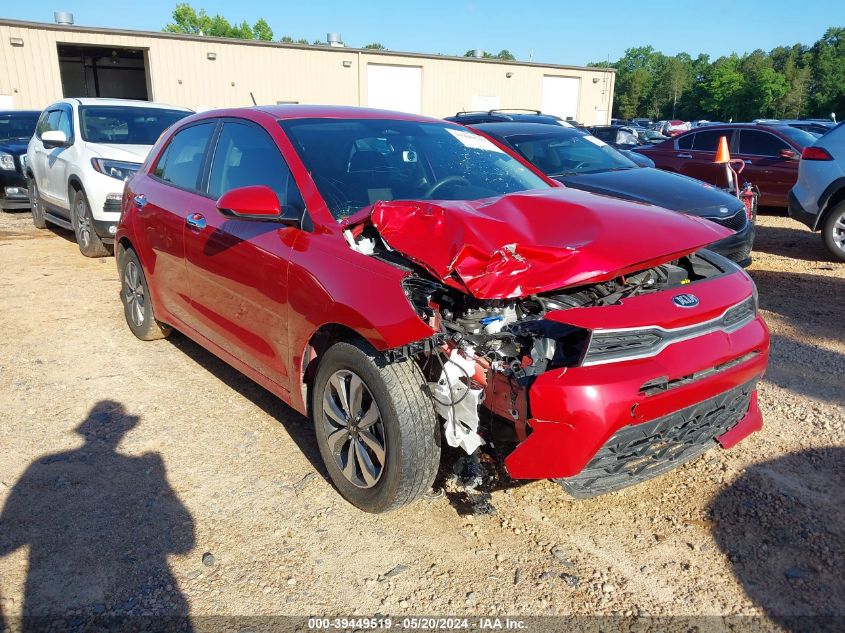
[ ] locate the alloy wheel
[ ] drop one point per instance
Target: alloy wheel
(354, 429)
(83, 224)
(133, 293)
(839, 232)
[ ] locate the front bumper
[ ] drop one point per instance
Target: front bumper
(13, 191)
(737, 247)
(576, 411)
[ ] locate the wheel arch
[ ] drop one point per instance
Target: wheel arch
(830, 199)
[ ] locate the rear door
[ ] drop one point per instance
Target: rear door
(697, 151)
(765, 167)
(238, 269)
(163, 199)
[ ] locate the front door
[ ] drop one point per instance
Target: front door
(238, 269)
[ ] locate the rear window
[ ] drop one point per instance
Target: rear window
(126, 125)
(802, 138)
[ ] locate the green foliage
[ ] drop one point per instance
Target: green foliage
(376, 46)
(503, 54)
(188, 20)
(786, 82)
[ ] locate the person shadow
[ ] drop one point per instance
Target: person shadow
(99, 525)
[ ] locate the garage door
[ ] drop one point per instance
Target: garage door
(560, 96)
(395, 88)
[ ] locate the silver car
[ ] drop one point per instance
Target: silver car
(818, 198)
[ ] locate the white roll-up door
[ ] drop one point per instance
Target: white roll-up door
(560, 96)
(395, 88)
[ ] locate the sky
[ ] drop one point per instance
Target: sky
(561, 32)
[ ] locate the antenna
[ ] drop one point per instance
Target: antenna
(252, 96)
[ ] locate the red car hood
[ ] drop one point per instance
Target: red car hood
(537, 241)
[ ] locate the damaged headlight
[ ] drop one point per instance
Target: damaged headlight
(419, 292)
(551, 344)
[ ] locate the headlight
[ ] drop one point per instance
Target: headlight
(7, 161)
(115, 168)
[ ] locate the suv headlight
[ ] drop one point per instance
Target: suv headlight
(7, 161)
(118, 169)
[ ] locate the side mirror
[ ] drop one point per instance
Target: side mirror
(54, 138)
(789, 154)
(256, 202)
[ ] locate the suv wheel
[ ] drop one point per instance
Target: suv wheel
(834, 231)
(89, 242)
(135, 296)
(35, 205)
(376, 427)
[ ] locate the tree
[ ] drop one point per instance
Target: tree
(188, 20)
(503, 54)
(376, 46)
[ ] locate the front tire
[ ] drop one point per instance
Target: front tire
(833, 231)
(136, 299)
(35, 205)
(376, 427)
(89, 242)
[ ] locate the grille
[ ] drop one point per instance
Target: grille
(640, 452)
(736, 222)
(614, 345)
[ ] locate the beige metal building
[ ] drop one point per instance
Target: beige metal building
(40, 63)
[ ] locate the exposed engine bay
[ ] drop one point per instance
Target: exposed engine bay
(488, 351)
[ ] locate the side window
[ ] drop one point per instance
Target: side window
(64, 125)
(181, 162)
(43, 124)
(685, 142)
(760, 143)
(709, 141)
(245, 156)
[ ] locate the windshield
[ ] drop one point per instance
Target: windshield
(126, 125)
(357, 162)
(17, 126)
(801, 137)
(570, 154)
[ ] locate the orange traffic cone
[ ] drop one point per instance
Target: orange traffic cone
(723, 156)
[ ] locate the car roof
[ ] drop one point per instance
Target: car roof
(292, 111)
(513, 128)
(131, 103)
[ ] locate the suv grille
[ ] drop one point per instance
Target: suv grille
(640, 452)
(736, 222)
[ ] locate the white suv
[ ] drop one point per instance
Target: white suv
(79, 157)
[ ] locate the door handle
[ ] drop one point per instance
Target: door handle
(196, 221)
(140, 200)
(684, 155)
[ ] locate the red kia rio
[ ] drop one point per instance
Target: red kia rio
(402, 280)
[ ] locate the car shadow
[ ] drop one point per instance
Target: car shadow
(297, 426)
(795, 242)
(99, 526)
(782, 525)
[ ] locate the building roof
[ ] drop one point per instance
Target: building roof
(333, 49)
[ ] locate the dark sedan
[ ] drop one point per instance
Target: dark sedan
(584, 162)
(16, 128)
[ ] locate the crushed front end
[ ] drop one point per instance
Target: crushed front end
(598, 385)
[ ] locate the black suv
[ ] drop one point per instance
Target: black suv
(503, 116)
(16, 128)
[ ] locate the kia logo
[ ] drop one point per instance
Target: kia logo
(685, 301)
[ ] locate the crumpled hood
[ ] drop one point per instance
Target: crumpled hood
(537, 241)
(655, 186)
(128, 153)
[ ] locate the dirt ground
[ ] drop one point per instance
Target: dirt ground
(153, 478)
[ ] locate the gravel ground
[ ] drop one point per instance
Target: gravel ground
(152, 478)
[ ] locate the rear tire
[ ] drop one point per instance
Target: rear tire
(89, 242)
(136, 299)
(833, 231)
(35, 205)
(379, 438)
